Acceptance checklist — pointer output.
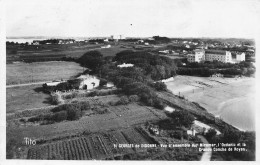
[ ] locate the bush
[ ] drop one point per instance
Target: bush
(74, 114)
(211, 133)
(158, 103)
(84, 105)
(60, 116)
(133, 98)
(182, 118)
(57, 98)
(36, 118)
(176, 135)
(160, 86)
(123, 101)
(102, 82)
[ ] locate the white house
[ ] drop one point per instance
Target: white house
(124, 65)
(88, 82)
(106, 46)
(164, 51)
(240, 57)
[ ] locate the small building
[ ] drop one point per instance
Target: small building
(82, 82)
(88, 82)
(240, 57)
(124, 65)
(164, 51)
(106, 46)
(154, 129)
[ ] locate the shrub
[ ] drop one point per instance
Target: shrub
(102, 82)
(94, 93)
(73, 114)
(158, 103)
(211, 133)
(133, 98)
(84, 105)
(57, 98)
(176, 134)
(36, 118)
(60, 116)
(182, 118)
(123, 101)
(160, 86)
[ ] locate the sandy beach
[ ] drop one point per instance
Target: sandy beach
(232, 99)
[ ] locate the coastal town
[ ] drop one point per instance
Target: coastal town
(172, 81)
(101, 91)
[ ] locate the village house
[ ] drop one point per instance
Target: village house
(124, 65)
(88, 82)
(106, 46)
(85, 82)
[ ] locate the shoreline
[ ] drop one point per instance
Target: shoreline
(231, 99)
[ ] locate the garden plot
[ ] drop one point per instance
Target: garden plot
(97, 146)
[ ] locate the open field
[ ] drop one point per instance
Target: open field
(116, 118)
(21, 73)
(57, 52)
(25, 97)
(229, 98)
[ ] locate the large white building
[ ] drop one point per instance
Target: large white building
(218, 55)
(214, 55)
(198, 56)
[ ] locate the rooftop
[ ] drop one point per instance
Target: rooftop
(219, 52)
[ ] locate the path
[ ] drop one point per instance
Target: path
(206, 156)
(19, 85)
(27, 84)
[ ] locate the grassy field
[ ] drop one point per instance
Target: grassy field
(25, 97)
(21, 73)
(74, 52)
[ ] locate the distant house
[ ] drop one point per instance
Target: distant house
(106, 46)
(200, 128)
(124, 65)
(187, 46)
(36, 42)
(88, 82)
(164, 51)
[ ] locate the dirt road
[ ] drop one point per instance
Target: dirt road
(206, 156)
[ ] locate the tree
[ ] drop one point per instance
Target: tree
(211, 133)
(92, 60)
(102, 82)
(182, 118)
(160, 86)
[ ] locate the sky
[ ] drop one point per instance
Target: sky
(132, 18)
